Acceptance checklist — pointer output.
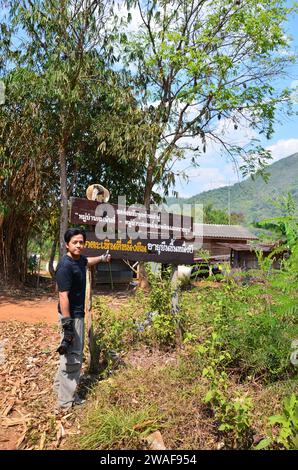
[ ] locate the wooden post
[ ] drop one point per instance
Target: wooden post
(175, 302)
(175, 291)
(89, 322)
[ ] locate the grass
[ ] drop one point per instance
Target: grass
(112, 427)
(164, 388)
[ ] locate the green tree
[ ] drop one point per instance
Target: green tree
(26, 171)
(196, 62)
(64, 123)
(212, 215)
(285, 228)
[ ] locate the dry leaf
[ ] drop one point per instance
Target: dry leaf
(143, 424)
(42, 441)
(7, 422)
(20, 441)
(8, 408)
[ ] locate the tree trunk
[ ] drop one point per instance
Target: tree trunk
(13, 249)
(64, 198)
(143, 281)
(148, 187)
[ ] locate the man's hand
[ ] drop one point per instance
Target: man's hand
(68, 334)
(99, 259)
(106, 258)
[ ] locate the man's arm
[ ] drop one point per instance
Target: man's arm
(64, 303)
(98, 259)
(67, 324)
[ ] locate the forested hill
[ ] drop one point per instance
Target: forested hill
(253, 198)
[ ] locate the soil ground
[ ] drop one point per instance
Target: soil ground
(28, 361)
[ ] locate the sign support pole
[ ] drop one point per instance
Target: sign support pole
(88, 309)
(175, 301)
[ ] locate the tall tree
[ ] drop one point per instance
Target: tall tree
(64, 123)
(63, 42)
(195, 64)
(29, 167)
(26, 170)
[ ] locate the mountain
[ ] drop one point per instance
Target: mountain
(253, 198)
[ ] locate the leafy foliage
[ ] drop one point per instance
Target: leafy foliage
(164, 324)
(195, 63)
(287, 423)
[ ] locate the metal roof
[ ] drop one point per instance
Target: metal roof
(247, 247)
(223, 231)
(211, 259)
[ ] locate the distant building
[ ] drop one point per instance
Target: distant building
(214, 238)
(234, 244)
(244, 256)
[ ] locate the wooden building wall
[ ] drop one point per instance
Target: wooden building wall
(215, 249)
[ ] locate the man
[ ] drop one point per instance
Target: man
(71, 282)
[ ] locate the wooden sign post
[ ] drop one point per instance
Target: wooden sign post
(159, 237)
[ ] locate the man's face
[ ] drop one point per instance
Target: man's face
(75, 245)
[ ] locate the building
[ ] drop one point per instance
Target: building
(245, 257)
(216, 239)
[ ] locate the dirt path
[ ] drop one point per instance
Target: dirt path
(28, 362)
(30, 311)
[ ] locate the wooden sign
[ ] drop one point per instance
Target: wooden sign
(128, 222)
(159, 251)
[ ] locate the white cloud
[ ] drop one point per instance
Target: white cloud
(283, 148)
(207, 178)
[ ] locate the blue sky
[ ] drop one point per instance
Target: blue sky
(215, 171)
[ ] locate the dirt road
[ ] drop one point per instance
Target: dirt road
(28, 361)
(28, 341)
(31, 311)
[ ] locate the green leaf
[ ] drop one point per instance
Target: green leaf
(278, 419)
(209, 396)
(263, 444)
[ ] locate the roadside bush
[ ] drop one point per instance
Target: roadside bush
(260, 345)
(112, 329)
(256, 324)
(165, 324)
(287, 422)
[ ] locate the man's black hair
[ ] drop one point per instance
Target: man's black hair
(71, 232)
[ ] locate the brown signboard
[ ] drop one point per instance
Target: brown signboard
(159, 251)
(130, 222)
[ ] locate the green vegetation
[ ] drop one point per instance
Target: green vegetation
(93, 100)
(111, 427)
(287, 422)
(231, 376)
(253, 198)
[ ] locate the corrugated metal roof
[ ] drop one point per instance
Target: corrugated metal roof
(211, 259)
(223, 231)
(246, 247)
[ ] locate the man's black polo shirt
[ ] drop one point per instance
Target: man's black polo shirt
(71, 277)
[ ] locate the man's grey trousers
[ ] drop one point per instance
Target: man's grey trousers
(68, 375)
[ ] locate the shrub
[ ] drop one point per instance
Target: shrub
(288, 427)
